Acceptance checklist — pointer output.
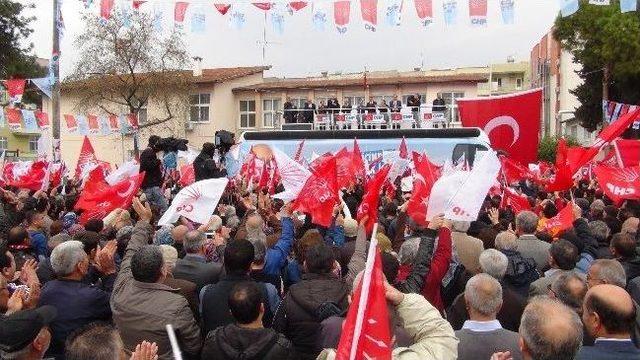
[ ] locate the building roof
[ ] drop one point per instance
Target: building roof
(373, 78)
(209, 76)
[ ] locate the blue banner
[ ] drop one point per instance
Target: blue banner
(83, 125)
(450, 8)
(30, 122)
(628, 5)
(198, 22)
(508, 11)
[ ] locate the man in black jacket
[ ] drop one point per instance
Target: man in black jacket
(309, 111)
(204, 165)
(289, 111)
(152, 167)
(246, 338)
(317, 297)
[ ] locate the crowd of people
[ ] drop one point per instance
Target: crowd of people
(260, 281)
(307, 111)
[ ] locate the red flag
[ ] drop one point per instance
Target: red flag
(222, 8)
(15, 88)
(369, 9)
(265, 175)
(564, 176)
(424, 178)
(179, 11)
(14, 119)
(517, 202)
(320, 193)
(345, 168)
(93, 124)
(358, 161)
(512, 122)
(72, 124)
(628, 152)
(562, 221)
(187, 175)
(619, 184)
(87, 155)
(297, 5)
(341, 12)
(424, 9)
(404, 152)
(137, 3)
(513, 171)
(369, 204)
(114, 123)
(263, 6)
(98, 201)
(26, 175)
(607, 135)
(365, 333)
(43, 119)
(132, 120)
(105, 8)
(478, 11)
(298, 155)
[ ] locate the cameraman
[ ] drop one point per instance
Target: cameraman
(152, 167)
(205, 166)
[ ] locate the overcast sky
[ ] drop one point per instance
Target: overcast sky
(302, 51)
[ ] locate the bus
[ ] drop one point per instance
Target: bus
(440, 145)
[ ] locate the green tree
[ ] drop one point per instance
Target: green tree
(548, 146)
(606, 43)
(15, 28)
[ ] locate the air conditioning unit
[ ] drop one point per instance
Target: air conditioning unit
(188, 126)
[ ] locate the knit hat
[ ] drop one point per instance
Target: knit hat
(69, 219)
(597, 205)
(163, 235)
(124, 232)
(350, 228)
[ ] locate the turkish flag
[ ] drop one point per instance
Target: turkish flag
(619, 184)
(114, 123)
(478, 8)
(424, 9)
(369, 9)
(341, 12)
(132, 120)
(222, 8)
(14, 118)
(105, 8)
(365, 333)
(320, 193)
(369, 204)
(43, 119)
(424, 178)
(87, 156)
(98, 201)
(26, 174)
(263, 6)
(297, 5)
(72, 124)
(513, 171)
(187, 175)
(512, 199)
(15, 88)
(628, 152)
(564, 176)
(512, 122)
(179, 11)
(607, 135)
(562, 221)
(93, 124)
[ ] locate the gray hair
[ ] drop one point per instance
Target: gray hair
(408, 250)
(611, 271)
(599, 230)
(551, 330)
(493, 263)
(484, 294)
(259, 250)
(169, 256)
(570, 289)
(194, 241)
(66, 256)
(527, 222)
(460, 226)
(506, 241)
(57, 240)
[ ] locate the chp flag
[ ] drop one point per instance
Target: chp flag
(512, 122)
(196, 202)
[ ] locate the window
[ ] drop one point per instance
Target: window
(199, 110)
(270, 114)
(519, 84)
(247, 113)
(33, 144)
(574, 131)
(452, 106)
(4, 143)
(499, 82)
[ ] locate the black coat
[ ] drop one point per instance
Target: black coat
(234, 342)
(195, 269)
(309, 111)
(204, 167)
(152, 167)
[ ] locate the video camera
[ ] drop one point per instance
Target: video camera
(224, 140)
(171, 144)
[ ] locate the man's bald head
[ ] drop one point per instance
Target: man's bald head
(254, 222)
(549, 330)
(609, 311)
(630, 226)
(178, 233)
(483, 296)
(570, 289)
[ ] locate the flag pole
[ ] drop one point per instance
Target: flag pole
(55, 91)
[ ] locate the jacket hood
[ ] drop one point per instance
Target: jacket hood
(241, 343)
(315, 290)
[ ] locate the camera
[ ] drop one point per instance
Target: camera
(171, 144)
(224, 140)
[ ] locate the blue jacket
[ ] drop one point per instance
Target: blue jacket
(39, 244)
(78, 304)
(334, 235)
(276, 257)
(610, 350)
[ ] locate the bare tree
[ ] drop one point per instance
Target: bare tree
(126, 62)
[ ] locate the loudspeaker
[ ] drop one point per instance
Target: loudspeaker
(295, 126)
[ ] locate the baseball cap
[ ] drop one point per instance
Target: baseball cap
(19, 329)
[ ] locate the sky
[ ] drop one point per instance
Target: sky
(303, 51)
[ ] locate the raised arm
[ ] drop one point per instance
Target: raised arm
(277, 256)
(359, 258)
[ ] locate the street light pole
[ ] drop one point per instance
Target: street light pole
(55, 93)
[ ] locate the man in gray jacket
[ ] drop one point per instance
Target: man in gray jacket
(529, 245)
(142, 306)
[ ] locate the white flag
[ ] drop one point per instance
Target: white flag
(600, 2)
(196, 202)
(292, 174)
(125, 171)
(398, 166)
(460, 195)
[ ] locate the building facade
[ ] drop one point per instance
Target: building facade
(241, 99)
